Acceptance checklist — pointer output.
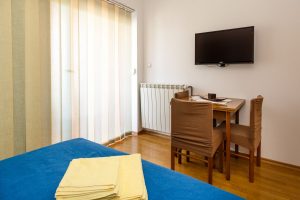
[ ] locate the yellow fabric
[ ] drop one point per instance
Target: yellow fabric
(91, 178)
(86, 173)
(132, 183)
(117, 178)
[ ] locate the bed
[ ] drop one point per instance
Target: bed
(36, 174)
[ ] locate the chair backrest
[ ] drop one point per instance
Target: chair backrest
(191, 125)
(181, 95)
(256, 117)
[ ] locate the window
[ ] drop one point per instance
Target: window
(90, 70)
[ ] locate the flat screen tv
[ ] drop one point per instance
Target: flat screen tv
(225, 47)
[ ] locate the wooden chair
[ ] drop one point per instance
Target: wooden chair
(182, 95)
(250, 136)
(192, 130)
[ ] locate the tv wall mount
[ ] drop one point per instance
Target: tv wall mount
(221, 64)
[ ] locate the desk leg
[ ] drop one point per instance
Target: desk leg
(237, 121)
(228, 134)
(237, 117)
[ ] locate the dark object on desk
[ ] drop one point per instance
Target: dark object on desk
(216, 99)
(212, 96)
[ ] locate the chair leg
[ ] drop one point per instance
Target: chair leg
(179, 156)
(214, 123)
(258, 157)
(251, 166)
(173, 150)
(236, 150)
(210, 169)
(187, 158)
(224, 147)
(221, 155)
(205, 158)
(214, 161)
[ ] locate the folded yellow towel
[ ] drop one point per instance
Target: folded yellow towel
(90, 177)
(107, 178)
(132, 183)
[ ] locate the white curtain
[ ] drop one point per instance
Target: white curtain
(25, 108)
(91, 70)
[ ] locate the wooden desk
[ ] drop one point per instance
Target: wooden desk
(225, 112)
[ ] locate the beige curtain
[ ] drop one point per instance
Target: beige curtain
(25, 101)
(91, 70)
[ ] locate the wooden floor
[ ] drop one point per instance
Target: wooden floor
(271, 181)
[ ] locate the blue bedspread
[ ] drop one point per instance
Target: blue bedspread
(36, 175)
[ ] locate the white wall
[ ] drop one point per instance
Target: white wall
(169, 29)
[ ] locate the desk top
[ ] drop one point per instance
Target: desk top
(232, 106)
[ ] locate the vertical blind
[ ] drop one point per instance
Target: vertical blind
(25, 112)
(90, 70)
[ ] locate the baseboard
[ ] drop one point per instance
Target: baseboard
(278, 163)
(273, 162)
(152, 132)
(265, 160)
(137, 133)
(118, 139)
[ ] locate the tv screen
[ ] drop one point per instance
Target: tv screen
(225, 47)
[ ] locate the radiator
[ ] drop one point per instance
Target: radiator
(155, 106)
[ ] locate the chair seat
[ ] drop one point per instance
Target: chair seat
(241, 135)
(249, 136)
(187, 142)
